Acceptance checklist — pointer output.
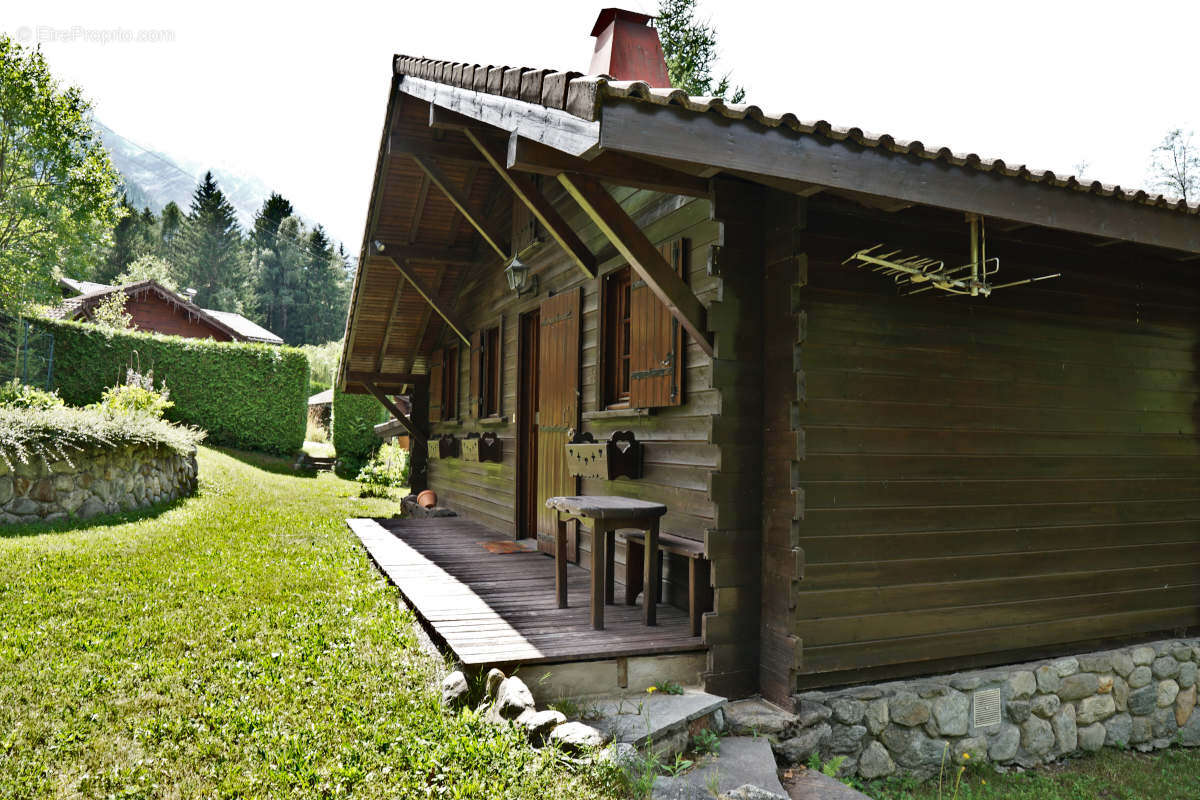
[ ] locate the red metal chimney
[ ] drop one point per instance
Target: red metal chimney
(628, 49)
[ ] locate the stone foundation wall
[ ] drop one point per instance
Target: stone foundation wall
(95, 482)
(1142, 697)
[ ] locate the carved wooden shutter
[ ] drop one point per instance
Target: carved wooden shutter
(656, 358)
(436, 365)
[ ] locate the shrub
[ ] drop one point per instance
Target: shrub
(354, 419)
(387, 469)
(251, 396)
(15, 394)
(132, 398)
(57, 432)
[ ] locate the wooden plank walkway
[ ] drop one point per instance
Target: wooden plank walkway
(499, 608)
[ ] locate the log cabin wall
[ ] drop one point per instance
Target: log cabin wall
(985, 480)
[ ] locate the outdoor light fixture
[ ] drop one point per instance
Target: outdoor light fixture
(518, 275)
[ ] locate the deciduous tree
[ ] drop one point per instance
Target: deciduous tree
(58, 197)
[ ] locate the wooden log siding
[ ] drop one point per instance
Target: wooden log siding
(985, 481)
(783, 442)
(734, 542)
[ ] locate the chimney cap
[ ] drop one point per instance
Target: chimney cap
(607, 15)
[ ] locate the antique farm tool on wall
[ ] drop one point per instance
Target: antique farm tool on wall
(914, 274)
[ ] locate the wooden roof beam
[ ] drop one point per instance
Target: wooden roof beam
(525, 190)
(648, 130)
(386, 378)
(460, 201)
(558, 129)
(400, 145)
(525, 155)
(395, 411)
(645, 259)
(396, 257)
(528, 193)
(387, 331)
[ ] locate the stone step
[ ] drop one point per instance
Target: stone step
(658, 722)
(742, 761)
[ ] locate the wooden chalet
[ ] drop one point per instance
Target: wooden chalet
(156, 309)
(892, 467)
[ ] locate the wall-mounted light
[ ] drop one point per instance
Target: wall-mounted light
(520, 279)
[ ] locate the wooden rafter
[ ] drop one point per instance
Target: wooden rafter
(525, 155)
(386, 378)
(425, 318)
(529, 194)
(402, 145)
(419, 210)
(387, 331)
(395, 411)
(460, 201)
(396, 257)
(642, 255)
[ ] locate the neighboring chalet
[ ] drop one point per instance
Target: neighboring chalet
(893, 464)
(156, 309)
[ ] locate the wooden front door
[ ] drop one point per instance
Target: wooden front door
(528, 369)
(558, 410)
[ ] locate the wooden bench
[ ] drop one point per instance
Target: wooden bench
(606, 514)
(636, 568)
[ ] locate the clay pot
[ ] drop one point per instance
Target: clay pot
(427, 499)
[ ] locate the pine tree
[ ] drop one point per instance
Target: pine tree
(208, 249)
(275, 209)
(133, 236)
(690, 47)
(172, 219)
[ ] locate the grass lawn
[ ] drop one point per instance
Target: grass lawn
(236, 644)
(1108, 775)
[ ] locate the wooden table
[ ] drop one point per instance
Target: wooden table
(607, 514)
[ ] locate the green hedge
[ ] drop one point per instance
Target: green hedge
(250, 396)
(354, 419)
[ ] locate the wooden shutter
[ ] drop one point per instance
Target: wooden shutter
(558, 409)
(656, 357)
(475, 390)
(436, 365)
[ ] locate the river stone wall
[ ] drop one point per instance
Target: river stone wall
(94, 482)
(1140, 697)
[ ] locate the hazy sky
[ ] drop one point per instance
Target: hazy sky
(295, 93)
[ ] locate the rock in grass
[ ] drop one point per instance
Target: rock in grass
(513, 698)
(539, 724)
(454, 689)
(492, 682)
(622, 755)
(575, 737)
(749, 791)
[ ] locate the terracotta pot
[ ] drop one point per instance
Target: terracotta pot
(427, 499)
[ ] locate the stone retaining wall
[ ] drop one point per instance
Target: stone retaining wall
(95, 482)
(1142, 697)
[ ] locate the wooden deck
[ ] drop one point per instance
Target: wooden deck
(499, 607)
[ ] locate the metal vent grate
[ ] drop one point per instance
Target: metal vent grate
(986, 706)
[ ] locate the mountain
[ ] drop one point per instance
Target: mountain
(153, 178)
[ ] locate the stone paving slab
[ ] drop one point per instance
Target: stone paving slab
(742, 760)
(652, 717)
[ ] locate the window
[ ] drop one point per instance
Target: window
(487, 373)
(450, 383)
(616, 332)
(642, 344)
